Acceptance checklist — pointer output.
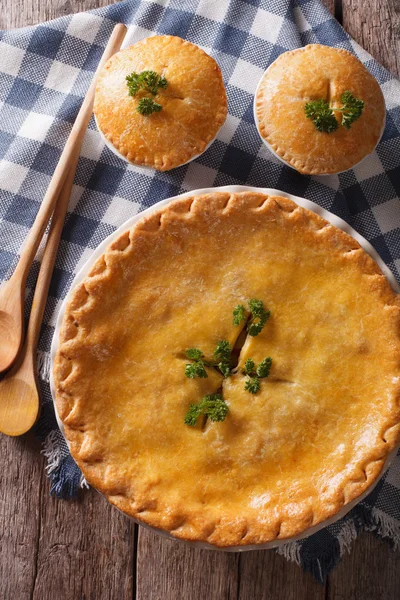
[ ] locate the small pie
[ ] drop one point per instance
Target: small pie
(189, 99)
(313, 74)
(312, 438)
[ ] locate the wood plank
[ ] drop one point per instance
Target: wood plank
(330, 4)
(370, 572)
(375, 25)
(86, 550)
(171, 570)
(266, 575)
(21, 494)
(20, 13)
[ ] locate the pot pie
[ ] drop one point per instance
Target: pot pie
(160, 102)
(305, 105)
(312, 438)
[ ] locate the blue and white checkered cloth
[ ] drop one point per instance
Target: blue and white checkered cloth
(44, 74)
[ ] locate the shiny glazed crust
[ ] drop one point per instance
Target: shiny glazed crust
(194, 104)
(312, 73)
(316, 435)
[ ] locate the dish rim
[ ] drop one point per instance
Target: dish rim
(282, 160)
(128, 224)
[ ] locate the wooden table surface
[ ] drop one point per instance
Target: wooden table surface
(59, 550)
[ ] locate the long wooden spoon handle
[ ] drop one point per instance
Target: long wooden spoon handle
(71, 148)
(65, 179)
(47, 266)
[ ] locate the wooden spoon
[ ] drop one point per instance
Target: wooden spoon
(19, 398)
(12, 292)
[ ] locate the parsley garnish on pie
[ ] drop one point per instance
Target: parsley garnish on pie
(256, 317)
(222, 355)
(259, 316)
(239, 314)
(196, 369)
(323, 115)
(212, 406)
(147, 106)
(149, 81)
(352, 109)
(194, 353)
(252, 383)
(146, 81)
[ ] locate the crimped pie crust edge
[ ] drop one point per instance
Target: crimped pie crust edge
(167, 162)
(221, 534)
(302, 166)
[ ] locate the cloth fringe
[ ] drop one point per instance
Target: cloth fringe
(319, 564)
(346, 537)
(65, 477)
(83, 484)
(43, 365)
(291, 551)
(52, 451)
(360, 519)
(381, 524)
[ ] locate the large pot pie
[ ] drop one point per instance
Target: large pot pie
(319, 109)
(313, 437)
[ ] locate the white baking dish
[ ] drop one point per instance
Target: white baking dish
(337, 221)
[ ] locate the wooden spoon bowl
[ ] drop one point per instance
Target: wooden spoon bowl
(19, 405)
(11, 322)
(19, 398)
(12, 291)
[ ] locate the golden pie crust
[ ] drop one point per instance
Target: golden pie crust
(194, 104)
(314, 437)
(311, 73)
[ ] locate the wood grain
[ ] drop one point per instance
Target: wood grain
(21, 494)
(371, 571)
(86, 550)
(330, 4)
(171, 570)
(266, 574)
(20, 13)
(375, 25)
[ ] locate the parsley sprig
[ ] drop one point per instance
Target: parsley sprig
(146, 81)
(323, 115)
(223, 354)
(212, 406)
(259, 316)
(196, 369)
(222, 361)
(239, 314)
(254, 374)
(149, 81)
(147, 106)
(352, 109)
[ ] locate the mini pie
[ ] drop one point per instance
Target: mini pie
(312, 73)
(311, 440)
(194, 104)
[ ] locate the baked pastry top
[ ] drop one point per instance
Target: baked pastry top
(194, 104)
(316, 434)
(312, 73)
